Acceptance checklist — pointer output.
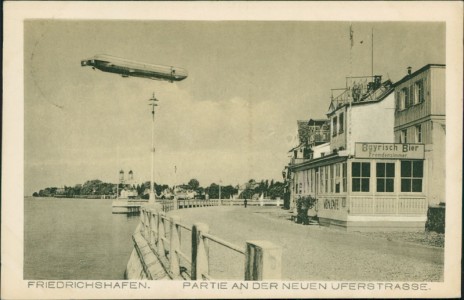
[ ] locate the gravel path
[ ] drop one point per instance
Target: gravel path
(311, 252)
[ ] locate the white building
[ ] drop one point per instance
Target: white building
(357, 183)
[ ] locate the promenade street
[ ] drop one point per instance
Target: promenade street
(310, 252)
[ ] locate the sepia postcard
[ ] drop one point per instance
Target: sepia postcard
(169, 150)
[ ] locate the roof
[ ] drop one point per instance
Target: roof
(385, 89)
(317, 162)
(423, 69)
(301, 123)
(379, 98)
(313, 122)
(296, 147)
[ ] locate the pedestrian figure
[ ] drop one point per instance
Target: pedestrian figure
(245, 202)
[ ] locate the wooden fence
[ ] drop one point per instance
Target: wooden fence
(262, 259)
(169, 205)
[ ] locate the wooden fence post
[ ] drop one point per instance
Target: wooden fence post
(200, 249)
(160, 242)
(174, 246)
(153, 227)
(149, 222)
(263, 261)
(142, 221)
(175, 203)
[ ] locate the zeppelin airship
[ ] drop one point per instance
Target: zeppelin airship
(127, 68)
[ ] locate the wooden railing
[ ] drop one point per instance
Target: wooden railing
(163, 233)
(383, 205)
(263, 202)
(169, 205)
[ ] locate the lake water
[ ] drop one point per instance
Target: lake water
(75, 239)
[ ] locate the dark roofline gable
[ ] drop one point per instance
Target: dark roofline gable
(423, 69)
(317, 121)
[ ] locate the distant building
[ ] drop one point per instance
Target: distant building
(60, 191)
(311, 134)
(128, 186)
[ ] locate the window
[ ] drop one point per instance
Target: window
(337, 178)
(334, 126)
(321, 180)
(344, 176)
(326, 178)
(419, 91)
(412, 172)
(399, 101)
(312, 181)
(341, 123)
(411, 96)
(405, 97)
(331, 180)
(418, 134)
(360, 173)
(385, 177)
(307, 183)
(404, 136)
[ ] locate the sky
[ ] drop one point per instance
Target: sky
(232, 119)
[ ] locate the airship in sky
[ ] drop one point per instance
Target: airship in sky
(126, 68)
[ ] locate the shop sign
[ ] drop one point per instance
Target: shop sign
(392, 151)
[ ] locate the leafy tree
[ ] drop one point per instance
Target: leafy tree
(193, 184)
(303, 204)
(247, 193)
(277, 190)
(140, 189)
(213, 191)
(200, 192)
(159, 188)
(184, 186)
(91, 187)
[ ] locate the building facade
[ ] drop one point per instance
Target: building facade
(368, 179)
(420, 117)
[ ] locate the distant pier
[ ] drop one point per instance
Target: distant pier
(127, 206)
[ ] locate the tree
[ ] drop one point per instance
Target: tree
(247, 193)
(91, 187)
(277, 190)
(193, 184)
(159, 188)
(228, 191)
(213, 191)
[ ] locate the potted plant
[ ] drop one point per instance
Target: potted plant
(305, 209)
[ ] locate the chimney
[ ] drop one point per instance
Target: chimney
(409, 70)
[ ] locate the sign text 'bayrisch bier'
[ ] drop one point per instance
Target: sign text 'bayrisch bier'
(392, 151)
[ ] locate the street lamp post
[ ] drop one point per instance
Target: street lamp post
(153, 104)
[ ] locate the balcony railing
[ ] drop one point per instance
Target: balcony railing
(319, 136)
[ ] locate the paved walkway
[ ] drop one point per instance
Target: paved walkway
(311, 252)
